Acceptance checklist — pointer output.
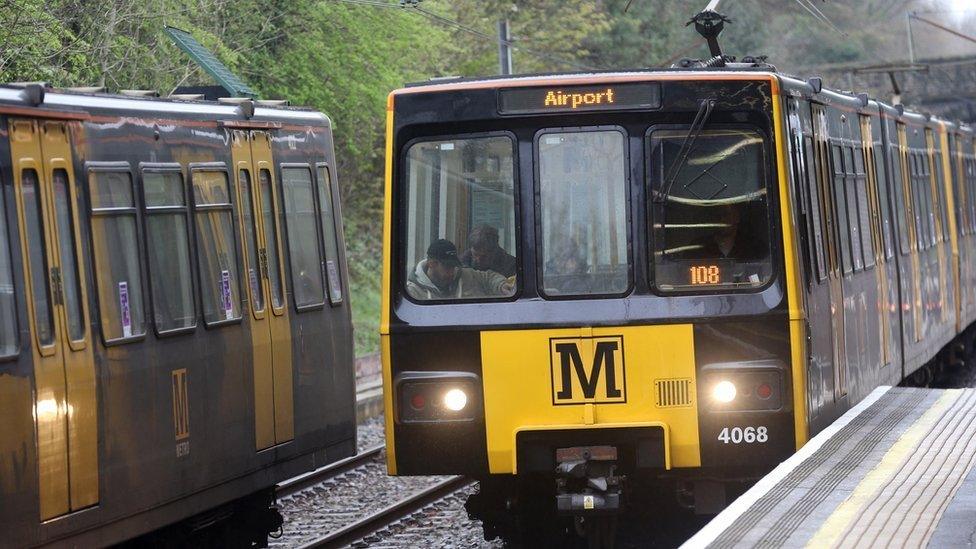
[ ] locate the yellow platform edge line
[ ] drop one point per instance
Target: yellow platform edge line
(851, 508)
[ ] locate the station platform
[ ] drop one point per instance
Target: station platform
(894, 471)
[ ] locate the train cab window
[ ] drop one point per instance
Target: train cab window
(460, 219)
(8, 302)
(303, 240)
(840, 202)
(168, 250)
(116, 253)
(219, 283)
(330, 234)
(37, 256)
(709, 210)
(583, 189)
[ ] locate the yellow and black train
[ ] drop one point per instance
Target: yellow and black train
(594, 282)
(175, 331)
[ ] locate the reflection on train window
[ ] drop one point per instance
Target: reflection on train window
(36, 250)
(64, 211)
(219, 286)
(271, 237)
(583, 185)
(330, 235)
(8, 301)
(303, 241)
(453, 188)
(116, 252)
(710, 210)
(169, 251)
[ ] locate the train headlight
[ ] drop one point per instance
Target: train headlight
(754, 385)
(455, 400)
(724, 391)
(437, 397)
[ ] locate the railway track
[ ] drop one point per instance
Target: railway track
(377, 520)
(301, 482)
(389, 515)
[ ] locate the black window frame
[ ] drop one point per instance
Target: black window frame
(16, 348)
(319, 237)
(338, 233)
(401, 223)
(772, 190)
(839, 189)
(537, 210)
(813, 189)
(136, 210)
(186, 210)
(217, 167)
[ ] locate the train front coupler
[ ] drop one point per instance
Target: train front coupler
(589, 488)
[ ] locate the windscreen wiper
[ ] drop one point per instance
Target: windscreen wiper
(704, 111)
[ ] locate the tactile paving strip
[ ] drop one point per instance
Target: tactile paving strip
(895, 406)
(905, 510)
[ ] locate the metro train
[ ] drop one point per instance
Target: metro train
(712, 263)
(175, 332)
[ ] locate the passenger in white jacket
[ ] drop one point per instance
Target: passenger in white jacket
(441, 276)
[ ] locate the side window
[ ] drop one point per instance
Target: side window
(303, 240)
(116, 254)
(853, 208)
(816, 219)
(167, 235)
(863, 210)
(921, 241)
(884, 188)
(8, 301)
(843, 225)
(213, 215)
(330, 234)
(901, 198)
(37, 257)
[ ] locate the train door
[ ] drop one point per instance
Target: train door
(835, 273)
(65, 405)
(910, 214)
(877, 240)
(270, 331)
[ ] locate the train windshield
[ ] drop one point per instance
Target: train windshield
(460, 233)
(709, 210)
(583, 189)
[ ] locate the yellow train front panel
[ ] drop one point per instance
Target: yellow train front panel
(590, 378)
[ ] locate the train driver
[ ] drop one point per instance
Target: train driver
(485, 254)
(441, 276)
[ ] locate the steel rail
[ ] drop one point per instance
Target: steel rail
(389, 515)
(301, 482)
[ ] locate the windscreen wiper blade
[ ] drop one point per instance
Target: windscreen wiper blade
(701, 117)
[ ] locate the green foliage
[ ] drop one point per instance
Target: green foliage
(344, 56)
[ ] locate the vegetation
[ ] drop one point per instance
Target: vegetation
(344, 56)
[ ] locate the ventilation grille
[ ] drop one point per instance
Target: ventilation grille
(673, 393)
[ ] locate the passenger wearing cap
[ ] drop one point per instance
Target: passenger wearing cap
(441, 276)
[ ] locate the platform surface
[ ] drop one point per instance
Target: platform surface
(894, 471)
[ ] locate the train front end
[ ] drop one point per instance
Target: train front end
(589, 286)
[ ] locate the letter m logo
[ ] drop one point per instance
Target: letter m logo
(587, 370)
